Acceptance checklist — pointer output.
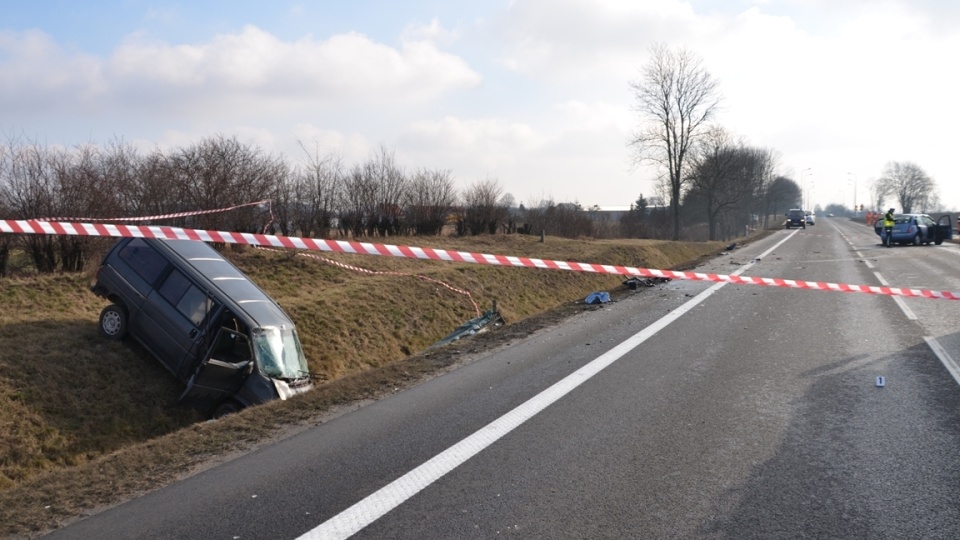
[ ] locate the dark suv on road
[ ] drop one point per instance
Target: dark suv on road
(796, 218)
(204, 320)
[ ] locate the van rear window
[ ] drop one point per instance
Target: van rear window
(143, 259)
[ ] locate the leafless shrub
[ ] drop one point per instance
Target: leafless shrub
(428, 202)
(482, 211)
(219, 172)
(306, 201)
(372, 197)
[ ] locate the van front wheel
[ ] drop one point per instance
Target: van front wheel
(225, 408)
(113, 322)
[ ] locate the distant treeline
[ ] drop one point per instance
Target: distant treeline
(318, 196)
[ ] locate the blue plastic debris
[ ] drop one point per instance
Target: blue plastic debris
(601, 297)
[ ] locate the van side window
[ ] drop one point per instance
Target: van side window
(190, 301)
(143, 259)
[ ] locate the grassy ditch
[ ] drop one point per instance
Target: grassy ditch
(85, 422)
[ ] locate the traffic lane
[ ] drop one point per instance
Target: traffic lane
(860, 461)
(865, 338)
(208, 505)
(921, 267)
(288, 488)
(672, 442)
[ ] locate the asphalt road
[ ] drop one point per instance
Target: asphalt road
(686, 411)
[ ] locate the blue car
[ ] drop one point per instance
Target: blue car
(916, 229)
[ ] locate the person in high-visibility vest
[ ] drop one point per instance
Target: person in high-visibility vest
(888, 223)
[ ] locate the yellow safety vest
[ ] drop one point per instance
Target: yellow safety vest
(888, 220)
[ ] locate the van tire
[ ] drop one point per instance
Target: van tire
(225, 408)
(113, 322)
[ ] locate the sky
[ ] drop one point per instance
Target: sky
(532, 93)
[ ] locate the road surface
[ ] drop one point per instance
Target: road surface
(691, 410)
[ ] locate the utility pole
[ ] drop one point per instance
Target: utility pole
(854, 193)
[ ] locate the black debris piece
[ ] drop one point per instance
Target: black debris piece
(635, 282)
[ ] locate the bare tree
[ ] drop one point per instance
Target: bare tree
(567, 220)
(312, 194)
(675, 98)
(720, 175)
(220, 172)
(782, 195)
(878, 194)
(482, 212)
(30, 186)
(390, 183)
(6, 209)
(372, 196)
(908, 183)
(82, 189)
(428, 201)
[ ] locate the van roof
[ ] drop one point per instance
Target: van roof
(245, 296)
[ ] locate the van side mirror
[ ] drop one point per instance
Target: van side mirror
(247, 367)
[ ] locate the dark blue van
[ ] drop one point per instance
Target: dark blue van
(217, 332)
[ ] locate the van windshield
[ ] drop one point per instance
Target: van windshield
(279, 354)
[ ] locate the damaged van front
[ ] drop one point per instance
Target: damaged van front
(245, 369)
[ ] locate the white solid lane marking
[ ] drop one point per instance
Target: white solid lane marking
(899, 301)
(945, 358)
(370, 509)
(950, 249)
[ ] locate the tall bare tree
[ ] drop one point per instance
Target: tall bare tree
(675, 98)
(907, 182)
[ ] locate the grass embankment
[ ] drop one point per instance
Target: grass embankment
(85, 422)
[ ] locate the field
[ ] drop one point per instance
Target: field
(85, 422)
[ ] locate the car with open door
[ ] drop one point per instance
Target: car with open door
(916, 229)
(224, 338)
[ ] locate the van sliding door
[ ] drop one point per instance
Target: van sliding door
(178, 309)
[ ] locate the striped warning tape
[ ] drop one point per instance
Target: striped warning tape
(365, 248)
(369, 272)
(161, 216)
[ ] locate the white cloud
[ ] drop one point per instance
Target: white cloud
(485, 146)
(231, 74)
(578, 154)
(36, 71)
(578, 40)
(433, 33)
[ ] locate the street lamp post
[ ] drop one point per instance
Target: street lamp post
(803, 189)
(854, 193)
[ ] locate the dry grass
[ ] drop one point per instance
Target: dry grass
(85, 422)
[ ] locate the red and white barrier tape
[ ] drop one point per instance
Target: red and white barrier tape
(162, 216)
(398, 274)
(364, 248)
